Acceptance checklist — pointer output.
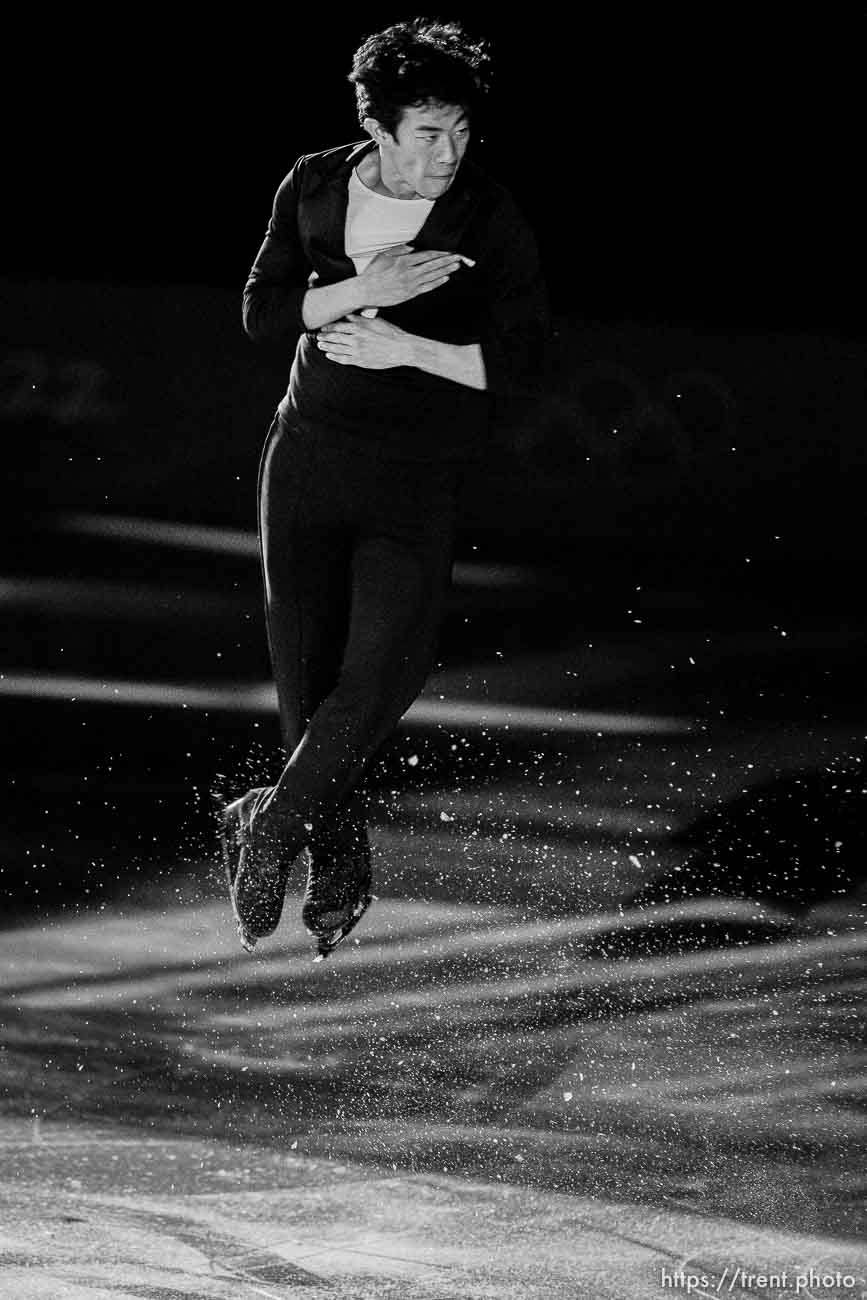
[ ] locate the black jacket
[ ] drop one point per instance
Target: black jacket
(500, 303)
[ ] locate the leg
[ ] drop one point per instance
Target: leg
(350, 653)
(397, 600)
(306, 580)
(397, 596)
(306, 529)
(306, 577)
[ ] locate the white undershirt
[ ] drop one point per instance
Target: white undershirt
(377, 221)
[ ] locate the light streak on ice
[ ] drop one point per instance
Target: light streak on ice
(260, 697)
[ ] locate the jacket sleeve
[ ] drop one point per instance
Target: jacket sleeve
(516, 336)
(278, 281)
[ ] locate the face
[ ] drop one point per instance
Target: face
(424, 155)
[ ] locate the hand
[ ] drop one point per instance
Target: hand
(397, 274)
(372, 344)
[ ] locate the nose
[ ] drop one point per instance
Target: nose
(447, 153)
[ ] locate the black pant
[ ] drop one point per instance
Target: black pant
(356, 556)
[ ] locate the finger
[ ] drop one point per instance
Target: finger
(436, 284)
(442, 266)
(431, 281)
(451, 256)
(334, 341)
(331, 347)
(427, 259)
(434, 269)
(433, 255)
(440, 278)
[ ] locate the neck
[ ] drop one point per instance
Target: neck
(376, 174)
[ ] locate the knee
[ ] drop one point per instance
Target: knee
(379, 690)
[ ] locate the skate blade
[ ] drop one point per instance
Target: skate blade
(247, 941)
(231, 849)
(326, 943)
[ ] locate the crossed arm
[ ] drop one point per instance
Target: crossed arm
(377, 345)
(279, 303)
(392, 277)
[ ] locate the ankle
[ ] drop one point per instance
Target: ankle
(280, 825)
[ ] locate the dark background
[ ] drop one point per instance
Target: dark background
(682, 165)
(684, 514)
(698, 471)
(693, 182)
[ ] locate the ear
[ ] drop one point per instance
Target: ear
(376, 131)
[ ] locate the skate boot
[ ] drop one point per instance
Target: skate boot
(338, 892)
(257, 864)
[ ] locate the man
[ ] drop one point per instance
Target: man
(415, 287)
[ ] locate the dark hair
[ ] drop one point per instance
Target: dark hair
(418, 62)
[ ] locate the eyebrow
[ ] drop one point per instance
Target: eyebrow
(427, 126)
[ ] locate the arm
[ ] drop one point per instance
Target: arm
(461, 362)
(279, 300)
(321, 306)
(278, 281)
(393, 276)
(378, 345)
(515, 336)
(509, 356)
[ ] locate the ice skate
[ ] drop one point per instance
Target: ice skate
(337, 896)
(256, 870)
